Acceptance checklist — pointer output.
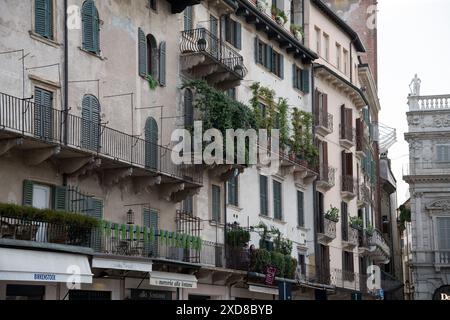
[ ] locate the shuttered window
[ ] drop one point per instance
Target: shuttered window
(151, 144)
(90, 131)
(300, 209)
(344, 223)
(216, 208)
(188, 108)
(43, 114)
(233, 32)
(348, 266)
(266, 56)
(264, 195)
(91, 27)
(151, 221)
(188, 19)
(233, 192)
(59, 196)
(443, 153)
(188, 205)
(277, 201)
(162, 63)
(142, 44)
(296, 77)
(43, 18)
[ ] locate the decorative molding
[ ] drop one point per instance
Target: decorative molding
(441, 204)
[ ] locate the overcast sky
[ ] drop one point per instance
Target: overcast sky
(413, 37)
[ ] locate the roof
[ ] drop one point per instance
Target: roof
(341, 24)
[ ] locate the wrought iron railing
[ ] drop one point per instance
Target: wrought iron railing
(347, 133)
(349, 184)
(48, 124)
(325, 120)
(327, 174)
(376, 239)
(202, 40)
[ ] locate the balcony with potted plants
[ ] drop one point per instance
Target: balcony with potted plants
(351, 239)
(327, 231)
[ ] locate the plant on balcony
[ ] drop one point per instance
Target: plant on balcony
(290, 266)
(405, 216)
(152, 83)
(279, 15)
(267, 95)
(302, 138)
(283, 122)
(278, 262)
(281, 245)
(262, 260)
(297, 31)
(261, 5)
(356, 223)
(332, 214)
(370, 230)
(237, 238)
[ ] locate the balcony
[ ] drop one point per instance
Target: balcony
(303, 172)
(349, 280)
(426, 170)
(178, 6)
(380, 251)
(363, 243)
(324, 124)
(63, 140)
(425, 103)
(442, 258)
(327, 232)
(360, 141)
(349, 187)
(347, 137)
(205, 56)
(364, 196)
(228, 6)
(351, 239)
(327, 178)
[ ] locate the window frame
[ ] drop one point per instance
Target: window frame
(277, 217)
(53, 38)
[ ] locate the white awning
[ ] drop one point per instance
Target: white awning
(173, 280)
(266, 290)
(41, 266)
(115, 264)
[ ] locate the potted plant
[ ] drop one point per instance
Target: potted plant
(332, 214)
(356, 223)
(297, 31)
(261, 5)
(279, 16)
(370, 230)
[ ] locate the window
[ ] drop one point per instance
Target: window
(151, 144)
(347, 172)
(302, 264)
(216, 208)
(443, 233)
(338, 56)
(266, 56)
(233, 192)
(151, 220)
(152, 56)
(297, 12)
(91, 27)
(188, 108)
(90, 115)
(318, 40)
(321, 109)
(188, 19)
(348, 267)
(277, 201)
(301, 208)
(263, 110)
(43, 196)
(152, 4)
(300, 78)
(326, 46)
(346, 62)
(188, 205)
(346, 123)
(43, 18)
(443, 153)
(264, 195)
(233, 32)
(344, 223)
(43, 113)
(151, 60)
(231, 93)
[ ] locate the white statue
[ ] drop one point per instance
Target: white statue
(414, 86)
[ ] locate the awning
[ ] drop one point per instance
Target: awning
(114, 264)
(41, 266)
(266, 290)
(173, 280)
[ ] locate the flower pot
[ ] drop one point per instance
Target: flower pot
(261, 5)
(279, 20)
(298, 35)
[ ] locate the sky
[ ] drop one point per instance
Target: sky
(413, 37)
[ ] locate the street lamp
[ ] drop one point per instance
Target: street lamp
(130, 217)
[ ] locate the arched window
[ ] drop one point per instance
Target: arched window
(152, 56)
(188, 108)
(91, 27)
(90, 115)
(151, 144)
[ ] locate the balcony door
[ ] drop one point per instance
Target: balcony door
(214, 29)
(90, 131)
(43, 114)
(151, 144)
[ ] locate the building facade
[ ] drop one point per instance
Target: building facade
(88, 110)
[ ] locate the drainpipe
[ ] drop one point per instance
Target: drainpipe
(65, 107)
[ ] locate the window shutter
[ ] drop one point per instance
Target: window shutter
(88, 24)
(344, 223)
(188, 108)
(216, 212)
(281, 57)
(344, 163)
(305, 81)
(257, 56)
(43, 113)
(151, 222)
(188, 18)
(263, 195)
(238, 35)
(325, 108)
(349, 164)
(49, 19)
(60, 198)
(162, 64)
(325, 154)
(300, 208)
(96, 30)
(277, 206)
(294, 76)
(27, 197)
(268, 62)
(142, 44)
(151, 144)
(40, 17)
(96, 211)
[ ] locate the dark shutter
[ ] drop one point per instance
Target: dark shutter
(238, 35)
(188, 205)
(216, 211)
(301, 208)
(343, 122)
(44, 18)
(151, 222)
(257, 53)
(317, 100)
(268, 57)
(214, 29)
(344, 164)
(142, 43)
(162, 64)
(305, 81)
(325, 109)
(349, 164)
(60, 198)
(263, 192)
(43, 114)
(188, 108)
(27, 197)
(188, 22)
(294, 76)
(90, 131)
(325, 154)
(96, 211)
(151, 144)
(277, 200)
(281, 71)
(344, 223)
(91, 27)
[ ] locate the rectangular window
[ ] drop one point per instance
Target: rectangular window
(348, 266)
(346, 62)
(302, 264)
(338, 56)
(231, 93)
(277, 201)
(443, 153)
(263, 194)
(43, 18)
(318, 40)
(188, 205)
(233, 192)
(266, 56)
(216, 207)
(233, 32)
(301, 208)
(277, 64)
(444, 233)
(326, 46)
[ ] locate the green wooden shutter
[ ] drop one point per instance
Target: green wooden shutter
(27, 197)
(294, 76)
(43, 114)
(162, 64)
(96, 30)
(151, 144)
(96, 211)
(91, 27)
(277, 204)
(142, 44)
(257, 57)
(49, 19)
(305, 81)
(151, 222)
(269, 58)
(281, 58)
(188, 25)
(43, 18)
(301, 208)
(238, 35)
(90, 130)
(188, 108)
(216, 211)
(263, 192)
(60, 198)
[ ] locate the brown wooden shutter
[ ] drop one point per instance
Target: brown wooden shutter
(343, 121)
(325, 109)
(317, 106)
(349, 118)
(325, 153)
(349, 165)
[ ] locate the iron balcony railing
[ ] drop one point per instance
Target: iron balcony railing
(327, 174)
(49, 125)
(202, 40)
(347, 133)
(349, 184)
(325, 120)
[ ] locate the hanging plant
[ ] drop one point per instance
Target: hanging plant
(124, 231)
(145, 235)
(152, 83)
(302, 139)
(131, 231)
(152, 235)
(356, 223)
(283, 120)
